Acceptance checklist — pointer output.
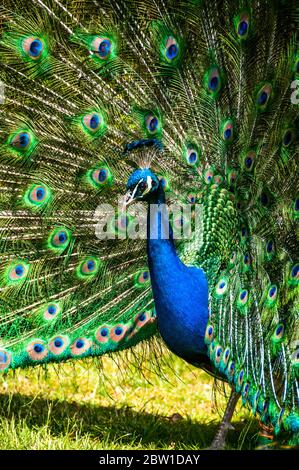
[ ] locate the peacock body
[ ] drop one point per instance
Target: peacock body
(184, 103)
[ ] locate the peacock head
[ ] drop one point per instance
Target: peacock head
(141, 185)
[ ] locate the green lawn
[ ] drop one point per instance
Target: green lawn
(94, 404)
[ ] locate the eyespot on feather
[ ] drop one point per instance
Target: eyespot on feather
(100, 177)
(103, 334)
(245, 391)
(221, 287)
(218, 354)
(17, 272)
(232, 260)
(288, 137)
(58, 344)
(232, 177)
(59, 239)
(152, 123)
(247, 262)
(171, 49)
(208, 176)
(22, 142)
(217, 180)
(118, 332)
(142, 278)
(278, 334)
(142, 319)
(227, 131)
(209, 334)
(51, 311)
(242, 300)
(102, 47)
(240, 379)
(88, 267)
(192, 155)
(270, 248)
(272, 294)
(242, 25)
(249, 159)
(37, 350)
(5, 359)
(33, 47)
(80, 346)
(263, 96)
(192, 198)
(294, 275)
(94, 123)
(225, 357)
(37, 195)
(244, 233)
(212, 348)
(213, 81)
(231, 369)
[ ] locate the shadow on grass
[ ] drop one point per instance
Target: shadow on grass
(117, 425)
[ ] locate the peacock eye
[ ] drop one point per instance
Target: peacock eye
(171, 49)
(227, 131)
(93, 123)
(102, 47)
(5, 359)
(51, 311)
(152, 123)
(59, 239)
(33, 47)
(288, 138)
(17, 272)
(213, 81)
(242, 25)
(37, 195)
(100, 177)
(264, 96)
(88, 267)
(143, 185)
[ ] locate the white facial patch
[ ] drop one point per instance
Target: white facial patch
(129, 197)
(149, 185)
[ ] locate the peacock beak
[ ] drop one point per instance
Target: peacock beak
(132, 195)
(129, 198)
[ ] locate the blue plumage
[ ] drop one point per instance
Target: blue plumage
(180, 292)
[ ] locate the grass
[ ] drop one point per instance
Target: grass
(94, 404)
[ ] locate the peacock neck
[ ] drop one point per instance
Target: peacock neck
(159, 232)
(180, 292)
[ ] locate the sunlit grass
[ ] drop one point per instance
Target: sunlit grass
(101, 405)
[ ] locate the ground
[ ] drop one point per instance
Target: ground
(94, 404)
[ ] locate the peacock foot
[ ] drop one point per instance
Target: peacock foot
(219, 440)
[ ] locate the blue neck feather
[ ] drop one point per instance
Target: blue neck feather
(180, 292)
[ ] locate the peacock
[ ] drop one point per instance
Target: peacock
(149, 187)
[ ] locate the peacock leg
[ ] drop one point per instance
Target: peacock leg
(220, 436)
